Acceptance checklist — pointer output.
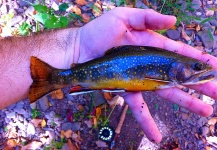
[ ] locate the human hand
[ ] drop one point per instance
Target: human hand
(128, 26)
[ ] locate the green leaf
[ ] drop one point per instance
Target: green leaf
(41, 8)
(206, 20)
(129, 111)
(120, 2)
(63, 7)
(156, 106)
(24, 29)
(42, 17)
(210, 35)
(175, 107)
(74, 17)
(64, 21)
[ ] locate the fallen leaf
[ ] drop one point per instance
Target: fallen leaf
(198, 28)
(36, 122)
(71, 145)
(97, 10)
(12, 143)
(98, 112)
(88, 123)
(58, 94)
(185, 36)
(77, 138)
(85, 18)
(117, 100)
(146, 2)
(209, 13)
(76, 10)
(43, 123)
(212, 121)
(100, 143)
(173, 27)
(81, 2)
(107, 95)
(32, 145)
(80, 108)
(94, 121)
(67, 134)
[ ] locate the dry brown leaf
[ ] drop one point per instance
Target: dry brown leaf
(185, 36)
(43, 123)
(80, 107)
(173, 27)
(36, 122)
(94, 122)
(198, 28)
(62, 132)
(97, 10)
(146, 2)
(98, 112)
(68, 134)
(58, 94)
(71, 145)
(116, 100)
(12, 143)
(107, 95)
(76, 10)
(81, 2)
(88, 123)
(85, 18)
(212, 121)
(100, 143)
(32, 145)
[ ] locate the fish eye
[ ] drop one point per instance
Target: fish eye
(198, 66)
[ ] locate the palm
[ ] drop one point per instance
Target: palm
(124, 26)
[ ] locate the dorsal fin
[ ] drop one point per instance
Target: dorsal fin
(117, 49)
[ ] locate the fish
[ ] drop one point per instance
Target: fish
(122, 69)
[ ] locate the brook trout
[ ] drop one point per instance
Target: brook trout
(124, 68)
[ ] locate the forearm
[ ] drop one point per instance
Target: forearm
(54, 47)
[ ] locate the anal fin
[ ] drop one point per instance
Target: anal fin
(76, 90)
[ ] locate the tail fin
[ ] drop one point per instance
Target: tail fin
(40, 72)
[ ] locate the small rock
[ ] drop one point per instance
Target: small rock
(210, 2)
(55, 6)
(213, 22)
(43, 102)
(98, 98)
(76, 126)
(11, 106)
(198, 13)
(204, 130)
(11, 115)
(20, 111)
(15, 20)
(140, 4)
(30, 11)
(30, 129)
(33, 105)
(184, 116)
(209, 12)
(207, 41)
(202, 121)
(70, 97)
(23, 3)
(21, 119)
(196, 4)
(66, 126)
(173, 34)
(207, 100)
(4, 9)
(184, 110)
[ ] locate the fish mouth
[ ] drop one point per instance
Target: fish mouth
(201, 77)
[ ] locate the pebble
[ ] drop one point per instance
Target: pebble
(43, 103)
(20, 111)
(25, 3)
(213, 22)
(198, 13)
(11, 115)
(4, 9)
(173, 34)
(204, 130)
(184, 110)
(207, 41)
(202, 121)
(29, 12)
(98, 98)
(30, 129)
(75, 126)
(184, 116)
(15, 20)
(208, 100)
(196, 4)
(209, 13)
(66, 126)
